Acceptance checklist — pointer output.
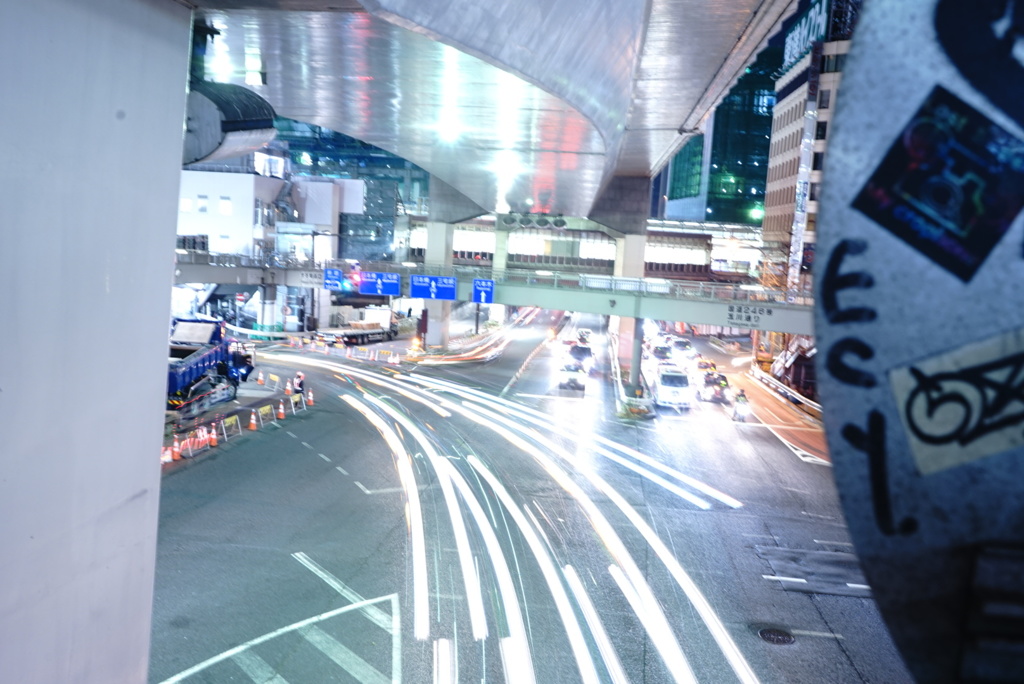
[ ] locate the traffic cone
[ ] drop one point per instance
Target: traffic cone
(280, 410)
(288, 388)
(213, 435)
(260, 380)
(309, 397)
(176, 449)
(252, 421)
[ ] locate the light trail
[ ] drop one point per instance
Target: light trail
(414, 516)
(604, 644)
(470, 578)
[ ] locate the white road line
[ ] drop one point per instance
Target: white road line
(305, 444)
(324, 457)
(785, 579)
(345, 658)
(824, 635)
(291, 434)
(341, 470)
(372, 613)
(853, 585)
(360, 485)
(836, 543)
(258, 669)
(230, 653)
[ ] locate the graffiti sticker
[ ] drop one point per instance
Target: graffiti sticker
(963, 405)
(950, 185)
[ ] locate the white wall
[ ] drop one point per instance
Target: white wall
(219, 205)
(96, 184)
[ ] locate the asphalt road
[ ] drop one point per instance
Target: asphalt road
(415, 527)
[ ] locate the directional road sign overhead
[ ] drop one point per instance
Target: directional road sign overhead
(483, 291)
(432, 287)
(333, 278)
(380, 284)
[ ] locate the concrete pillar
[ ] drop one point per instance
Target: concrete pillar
(96, 103)
(500, 261)
(438, 256)
(268, 306)
(630, 263)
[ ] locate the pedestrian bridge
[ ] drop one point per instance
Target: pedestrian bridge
(740, 306)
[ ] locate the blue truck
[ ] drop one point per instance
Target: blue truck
(204, 367)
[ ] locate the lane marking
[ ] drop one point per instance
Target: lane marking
(344, 657)
(291, 434)
(837, 543)
(785, 579)
(854, 585)
(372, 613)
(389, 490)
(185, 674)
(824, 635)
(306, 445)
(258, 669)
(325, 458)
(341, 470)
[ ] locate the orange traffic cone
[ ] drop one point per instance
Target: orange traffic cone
(309, 397)
(213, 435)
(252, 421)
(176, 449)
(288, 388)
(280, 410)
(260, 380)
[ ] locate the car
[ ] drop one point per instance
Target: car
(583, 335)
(715, 388)
(662, 352)
(704, 363)
(682, 347)
(572, 377)
(582, 356)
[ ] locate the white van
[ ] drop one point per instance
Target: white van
(670, 386)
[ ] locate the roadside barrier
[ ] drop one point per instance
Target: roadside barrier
(280, 410)
(230, 423)
(266, 414)
(296, 400)
(252, 421)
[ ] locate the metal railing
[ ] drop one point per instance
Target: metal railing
(648, 287)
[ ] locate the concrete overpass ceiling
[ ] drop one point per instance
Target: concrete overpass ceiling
(538, 108)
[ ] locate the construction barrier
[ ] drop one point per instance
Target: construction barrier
(274, 381)
(230, 425)
(266, 414)
(296, 401)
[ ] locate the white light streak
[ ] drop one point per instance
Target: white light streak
(414, 516)
(604, 644)
(470, 578)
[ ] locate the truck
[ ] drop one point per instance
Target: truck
(377, 323)
(204, 366)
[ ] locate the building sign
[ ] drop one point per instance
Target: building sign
(748, 315)
(810, 28)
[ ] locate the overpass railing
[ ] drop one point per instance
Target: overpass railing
(563, 280)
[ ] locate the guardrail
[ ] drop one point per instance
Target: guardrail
(812, 408)
(654, 287)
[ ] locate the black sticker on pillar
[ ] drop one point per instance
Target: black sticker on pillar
(979, 39)
(949, 186)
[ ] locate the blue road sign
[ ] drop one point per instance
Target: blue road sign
(432, 287)
(483, 291)
(380, 283)
(333, 278)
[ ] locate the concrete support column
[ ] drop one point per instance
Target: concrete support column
(438, 255)
(500, 261)
(268, 306)
(630, 263)
(97, 194)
